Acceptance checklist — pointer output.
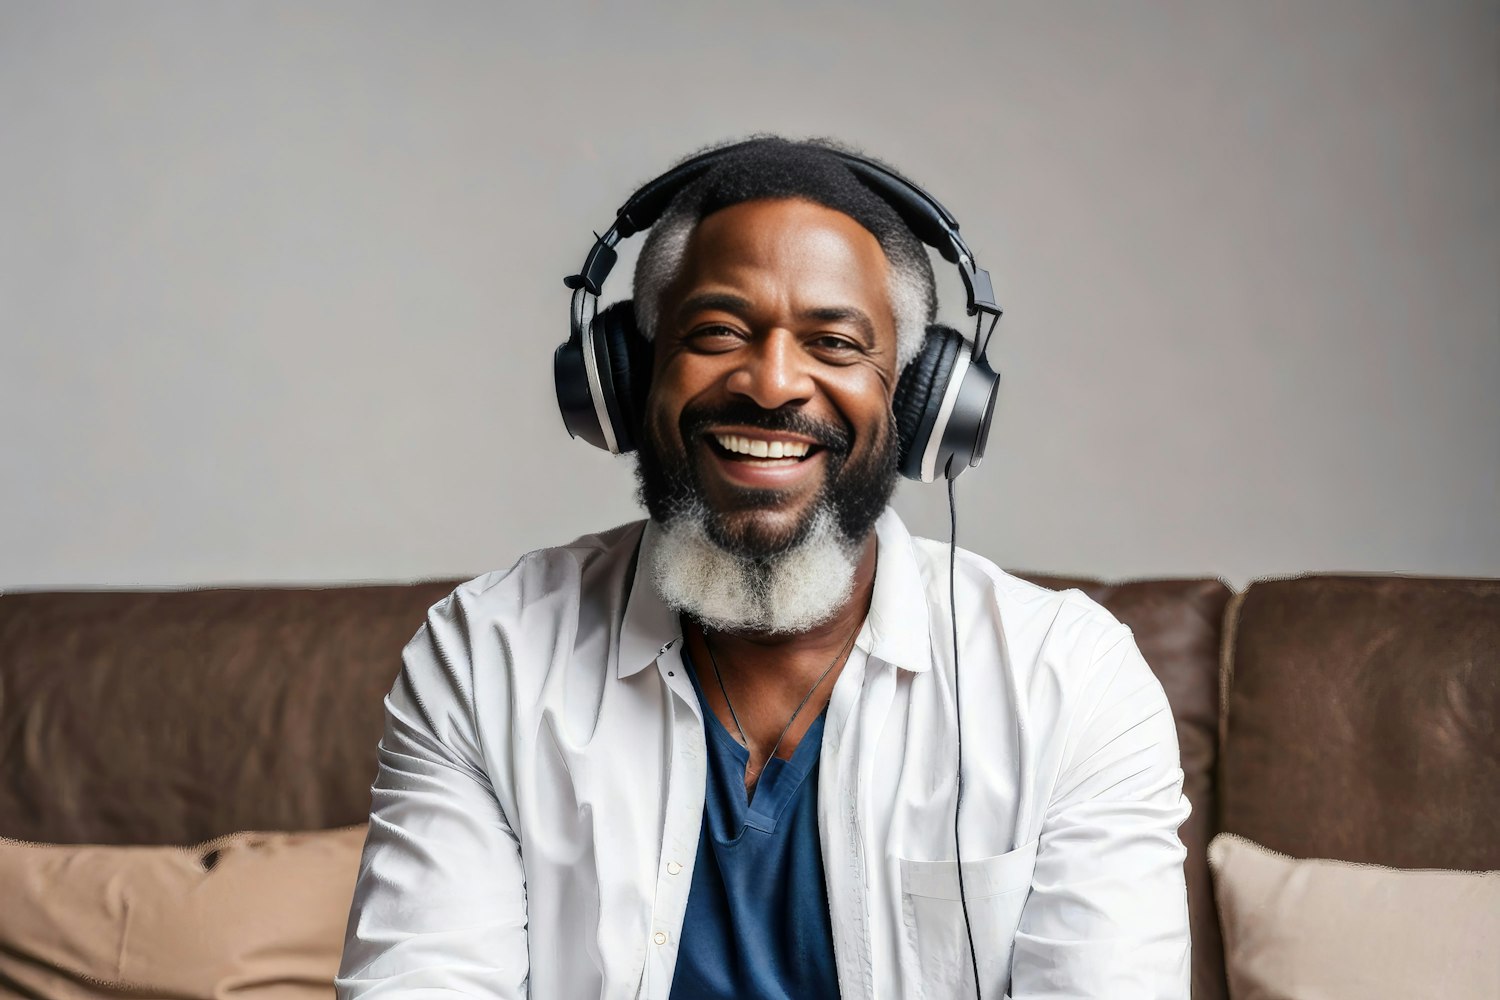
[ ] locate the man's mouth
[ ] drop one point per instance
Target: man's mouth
(766, 451)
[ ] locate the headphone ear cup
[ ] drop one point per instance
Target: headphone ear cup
(919, 394)
(629, 357)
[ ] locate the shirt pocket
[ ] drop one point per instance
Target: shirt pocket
(996, 889)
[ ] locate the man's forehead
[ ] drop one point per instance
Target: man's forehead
(795, 225)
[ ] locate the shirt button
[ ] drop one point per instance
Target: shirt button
(659, 937)
(673, 868)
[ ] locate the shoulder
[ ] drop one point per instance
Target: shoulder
(1057, 640)
(1064, 617)
(529, 613)
(542, 580)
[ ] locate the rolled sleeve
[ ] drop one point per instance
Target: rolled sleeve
(1107, 916)
(439, 907)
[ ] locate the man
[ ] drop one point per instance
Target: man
(716, 754)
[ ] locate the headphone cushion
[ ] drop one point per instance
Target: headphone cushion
(922, 384)
(629, 366)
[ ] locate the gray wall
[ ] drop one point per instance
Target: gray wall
(280, 283)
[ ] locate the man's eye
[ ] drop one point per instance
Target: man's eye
(715, 337)
(833, 343)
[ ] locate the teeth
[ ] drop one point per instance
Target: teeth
(758, 448)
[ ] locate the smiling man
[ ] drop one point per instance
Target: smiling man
(717, 753)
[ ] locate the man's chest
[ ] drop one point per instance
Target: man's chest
(611, 814)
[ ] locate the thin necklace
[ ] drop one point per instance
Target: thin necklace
(755, 775)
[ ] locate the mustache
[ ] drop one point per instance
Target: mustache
(695, 421)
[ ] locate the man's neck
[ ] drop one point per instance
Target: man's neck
(768, 675)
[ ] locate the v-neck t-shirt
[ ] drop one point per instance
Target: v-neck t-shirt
(757, 925)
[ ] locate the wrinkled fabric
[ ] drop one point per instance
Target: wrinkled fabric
(541, 787)
(254, 916)
(1178, 626)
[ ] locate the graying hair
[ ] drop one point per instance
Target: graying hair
(913, 301)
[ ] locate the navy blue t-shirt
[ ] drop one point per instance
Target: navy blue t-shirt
(757, 925)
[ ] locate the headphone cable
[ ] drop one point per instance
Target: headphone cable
(963, 898)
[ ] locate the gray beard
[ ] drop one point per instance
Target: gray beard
(792, 591)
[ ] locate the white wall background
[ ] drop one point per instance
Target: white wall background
(280, 282)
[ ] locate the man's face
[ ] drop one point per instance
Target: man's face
(775, 364)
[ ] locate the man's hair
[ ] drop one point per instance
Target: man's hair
(774, 167)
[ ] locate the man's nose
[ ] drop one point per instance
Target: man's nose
(774, 372)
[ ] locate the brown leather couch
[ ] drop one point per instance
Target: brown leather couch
(1349, 717)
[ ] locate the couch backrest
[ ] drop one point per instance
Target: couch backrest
(1362, 720)
(171, 718)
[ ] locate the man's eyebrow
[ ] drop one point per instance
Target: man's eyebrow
(722, 301)
(844, 314)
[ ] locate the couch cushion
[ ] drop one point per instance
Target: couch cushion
(1339, 931)
(249, 915)
(1177, 625)
(1363, 720)
(171, 718)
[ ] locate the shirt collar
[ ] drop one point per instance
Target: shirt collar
(898, 621)
(649, 626)
(896, 630)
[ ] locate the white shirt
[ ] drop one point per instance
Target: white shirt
(541, 784)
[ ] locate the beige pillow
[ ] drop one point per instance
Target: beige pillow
(1332, 930)
(248, 915)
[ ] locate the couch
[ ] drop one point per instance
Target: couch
(1342, 717)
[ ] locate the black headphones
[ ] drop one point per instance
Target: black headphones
(945, 398)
